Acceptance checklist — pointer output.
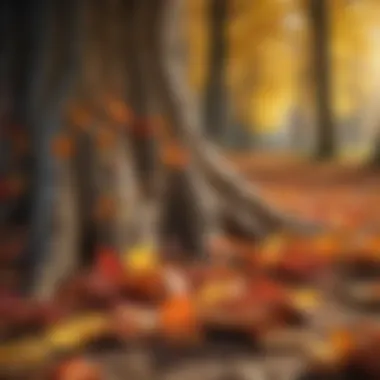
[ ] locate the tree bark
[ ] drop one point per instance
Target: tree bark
(5, 90)
(216, 108)
(185, 227)
(321, 58)
(193, 199)
(243, 205)
(46, 124)
(141, 134)
(126, 191)
(375, 160)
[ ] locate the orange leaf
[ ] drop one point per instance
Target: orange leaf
(63, 147)
(178, 317)
(342, 342)
(175, 156)
(77, 369)
(81, 118)
(120, 112)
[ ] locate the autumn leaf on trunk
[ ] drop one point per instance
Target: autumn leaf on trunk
(175, 156)
(80, 118)
(109, 265)
(120, 113)
(63, 147)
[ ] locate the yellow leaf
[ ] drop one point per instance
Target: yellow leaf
(305, 299)
(142, 258)
(77, 332)
(342, 342)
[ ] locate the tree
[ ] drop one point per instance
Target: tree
(320, 30)
(216, 117)
(50, 76)
(195, 195)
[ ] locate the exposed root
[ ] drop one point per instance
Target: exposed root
(64, 240)
(162, 46)
(191, 202)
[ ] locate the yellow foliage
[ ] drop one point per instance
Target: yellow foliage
(268, 43)
(141, 259)
(305, 299)
(76, 332)
(69, 335)
(269, 109)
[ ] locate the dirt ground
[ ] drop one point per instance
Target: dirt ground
(330, 192)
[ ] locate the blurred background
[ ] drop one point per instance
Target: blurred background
(256, 66)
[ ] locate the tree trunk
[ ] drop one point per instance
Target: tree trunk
(19, 55)
(141, 134)
(5, 92)
(126, 182)
(46, 124)
(197, 192)
(199, 189)
(321, 50)
(215, 104)
(375, 161)
(233, 193)
(185, 227)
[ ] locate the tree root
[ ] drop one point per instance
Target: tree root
(196, 201)
(162, 51)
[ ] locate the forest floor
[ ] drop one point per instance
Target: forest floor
(322, 191)
(337, 193)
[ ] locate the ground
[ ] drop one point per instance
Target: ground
(316, 190)
(334, 193)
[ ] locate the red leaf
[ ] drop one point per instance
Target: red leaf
(267, 291)
(108, 265)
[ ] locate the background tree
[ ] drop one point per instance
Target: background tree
(215, 104)
(321, 26)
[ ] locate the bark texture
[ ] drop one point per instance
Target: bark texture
(216, 107)
(119, 188)
(321, 59)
